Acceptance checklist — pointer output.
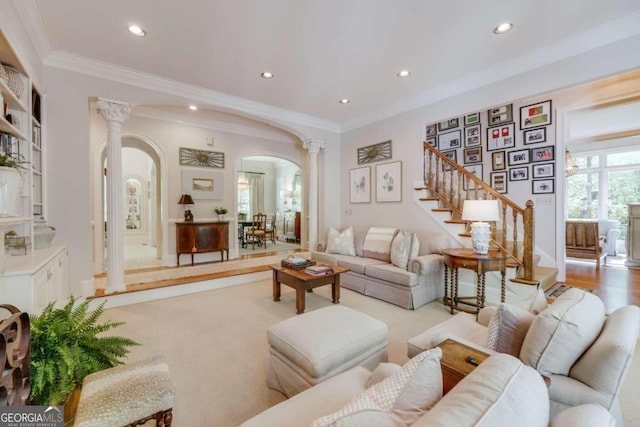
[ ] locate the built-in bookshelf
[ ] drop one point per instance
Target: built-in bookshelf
(36, 153)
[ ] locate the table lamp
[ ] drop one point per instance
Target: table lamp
(480, 211)
(186, 200)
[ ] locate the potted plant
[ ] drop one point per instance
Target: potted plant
(68, 344)
(12, 161)
(220, 211)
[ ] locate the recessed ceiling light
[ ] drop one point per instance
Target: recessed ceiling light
(345, 101)
(404, 73)
(193, 107)
(503, 28)
(266, 75)
(136, 30)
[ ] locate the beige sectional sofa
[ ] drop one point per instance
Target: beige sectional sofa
(371, 273)
(501, 391)
(585, 354)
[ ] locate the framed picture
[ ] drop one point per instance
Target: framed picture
(431, 130)
(432, 141)
(202, 184)
(477, 171)
(500, 137)
(542, 186)
(453, 155)
(499, 115)
(534, 136)
(193, 157)
(519, 174)
(360, 185)
(519, 157)
(473, 155)
(499, 181)
(449, 140)
(472, 119)
(472, 136)
(497, 161)
(543, 154)
(535, 115)
(448, 124)
(389, 182)
(375, 152)
(543, 170)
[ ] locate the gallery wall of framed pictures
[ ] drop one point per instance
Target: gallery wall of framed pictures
(511, 142)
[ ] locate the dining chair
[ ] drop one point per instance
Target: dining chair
(271, 228)
(258, 230)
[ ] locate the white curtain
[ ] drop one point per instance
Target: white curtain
(256, 193)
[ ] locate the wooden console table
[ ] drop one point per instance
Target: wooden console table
(466, 258)
(198, 237)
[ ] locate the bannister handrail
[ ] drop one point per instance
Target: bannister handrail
(443, 187)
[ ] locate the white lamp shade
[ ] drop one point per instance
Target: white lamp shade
(481, 210)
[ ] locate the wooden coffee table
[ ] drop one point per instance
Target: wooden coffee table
(454, 362)
(303, 282)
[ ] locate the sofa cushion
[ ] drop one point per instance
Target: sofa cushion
(587, 415)
(535, 303)
(500, 392)
(391, 273)
(507, 328)
(357, 264)
(562, 332)
(341, 242)
(377, 244)
(404, 247)
(382, 371)
(407, 394)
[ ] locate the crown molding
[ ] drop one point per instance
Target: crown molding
(272, 115)
(602, 35)
(172, 117)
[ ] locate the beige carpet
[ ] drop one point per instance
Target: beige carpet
(215, 343)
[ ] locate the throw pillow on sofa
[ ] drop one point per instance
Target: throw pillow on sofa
(404, 247)
(401, 398)
(507, 328)
(535, 303)
(377, 244)
(341, 242)
(560, 334)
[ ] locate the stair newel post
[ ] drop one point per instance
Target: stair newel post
(528, 244)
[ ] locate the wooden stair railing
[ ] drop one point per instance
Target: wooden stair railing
(451, 184)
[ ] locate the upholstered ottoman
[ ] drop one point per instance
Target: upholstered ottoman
(312, 347)
(129, 394)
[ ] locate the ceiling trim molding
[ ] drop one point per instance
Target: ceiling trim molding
(151, 113)
(607, 33)
(191, 93)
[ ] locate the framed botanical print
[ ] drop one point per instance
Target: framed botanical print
(360, 185)
(535, 115)
(389, 182)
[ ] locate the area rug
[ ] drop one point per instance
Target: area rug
(558, 289)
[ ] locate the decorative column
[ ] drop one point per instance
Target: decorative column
(313, 146)
(115, 113)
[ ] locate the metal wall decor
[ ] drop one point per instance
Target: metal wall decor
(193, 157)
(375, 152)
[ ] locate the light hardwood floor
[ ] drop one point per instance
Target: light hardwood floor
(617, 286)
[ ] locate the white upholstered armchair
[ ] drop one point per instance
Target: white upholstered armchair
(609, 230)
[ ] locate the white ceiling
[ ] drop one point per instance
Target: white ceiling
(324, 50)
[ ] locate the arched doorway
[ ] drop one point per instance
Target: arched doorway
(143, 206)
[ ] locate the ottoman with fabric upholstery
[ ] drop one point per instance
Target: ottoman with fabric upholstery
(129, 394)
(312, 347)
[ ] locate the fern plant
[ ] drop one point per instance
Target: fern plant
(67, 345)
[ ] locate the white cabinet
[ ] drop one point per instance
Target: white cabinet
(31, 281)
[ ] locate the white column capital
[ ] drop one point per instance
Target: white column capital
(113, 111)
(313, 145)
